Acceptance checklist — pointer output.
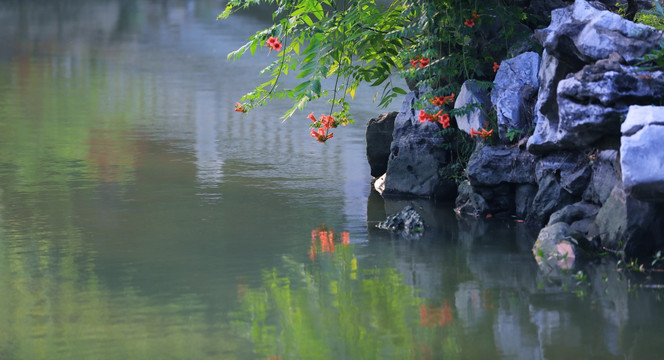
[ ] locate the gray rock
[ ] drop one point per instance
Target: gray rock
(641, 153)
(407, 223)
(515, 92)
(585, 32)
(552, 249)
(493, 165)
(544, 138)
(550, 197)
(472, 95)
(593, 101)
(416, 156)
(379, 138)
(570, 169)
(604, 177)
(629, 225)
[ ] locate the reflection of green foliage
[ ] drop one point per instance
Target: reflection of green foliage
(332, 310)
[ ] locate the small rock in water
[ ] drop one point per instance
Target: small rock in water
(407, 222)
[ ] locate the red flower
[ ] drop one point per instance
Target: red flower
(311, 116)
(240, 108)
(273, 43)
(321, 135)
(469, 22)
(442, 100)
(486, 134)
(415, 62)
(496, 66)
(424, 62)
(475, 16)
(473, 132)
(444, 120)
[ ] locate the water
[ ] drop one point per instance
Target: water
(141, 217)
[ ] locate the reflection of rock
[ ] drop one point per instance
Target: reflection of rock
(407, 223)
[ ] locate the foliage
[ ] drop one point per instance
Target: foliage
(433, 44)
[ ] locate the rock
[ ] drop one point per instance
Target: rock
(524, 195)
(578, 35)
(493, 165)
(585, 32)
(379, 184)
(407, 223)
(515, 92)
(641, 153)
(553, 247)
(544, 138)
(604, 177)
(593, 101)
(416, 156)
(379, 137)
(579, 216)
(571, 170)
(629, 225)
(468, 202)
(561, 178)
(470, 95)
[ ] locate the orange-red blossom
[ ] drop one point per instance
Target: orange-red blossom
(321, 127)
(483, 133)
(273, 43)
(439, 117)
(240, 108)
(496, 66)
(421, 62)
(442, 100)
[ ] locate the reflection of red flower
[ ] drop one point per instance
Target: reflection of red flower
(469, 22)
(431, 316)
(496, 66)
(345, 237)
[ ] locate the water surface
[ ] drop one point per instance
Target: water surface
(142, 217)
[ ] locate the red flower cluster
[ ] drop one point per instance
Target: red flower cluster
(496, 66)
(442, 100)
(421, 62)
(483, 133)
(326, 239)
(240, 108)
(443, 119)
(321, 127)
(273, 43)
(471, 22)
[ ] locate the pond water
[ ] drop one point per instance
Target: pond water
(141, 217)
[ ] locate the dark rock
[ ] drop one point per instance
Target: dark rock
(468, 202)
(515, 92)
(407, 223)
(604, 177)
(571, 170)
(641, 153)
(416, 157)
(579, 216)
(379, 138)
(550, 197)
(472, 95)
(628, 225)
(524, 195)
(493, 165)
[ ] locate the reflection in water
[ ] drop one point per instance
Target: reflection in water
(142, 217)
